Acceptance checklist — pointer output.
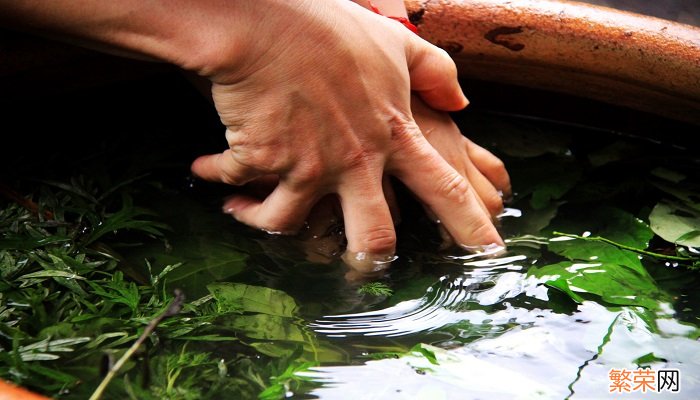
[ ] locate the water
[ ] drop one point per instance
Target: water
(500, 327)
(548, 319)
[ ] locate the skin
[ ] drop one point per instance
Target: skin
(316, 94)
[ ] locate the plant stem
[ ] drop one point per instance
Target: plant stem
(174, 308)
(625, 247)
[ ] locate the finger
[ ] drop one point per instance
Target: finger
(282, 212)
(368, 226)
(434, 76)
(447, 193)
(486, 192)
(491, 167)
(224, 168)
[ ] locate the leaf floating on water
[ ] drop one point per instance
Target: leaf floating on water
(612, 283)
(676, 224)
(242, 298)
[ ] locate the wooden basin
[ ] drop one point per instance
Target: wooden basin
(617, 57)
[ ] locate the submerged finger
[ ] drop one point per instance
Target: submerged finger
(369, 227)
(446, 192)
(491, 167)
(488, 195)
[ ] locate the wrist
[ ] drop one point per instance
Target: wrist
(394, 8)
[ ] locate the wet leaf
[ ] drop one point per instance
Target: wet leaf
(676, 224)
(266, 327)
(612, 283)
(611, 223)
(242, 298)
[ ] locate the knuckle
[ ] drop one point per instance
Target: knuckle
(307, 174)
(404, 129)
(237, 180)
(380, 239)
(497, 165)
(453, 186)
(359, 158)
(493, 203)
(232, 172)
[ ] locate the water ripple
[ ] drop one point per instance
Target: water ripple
(449, 301)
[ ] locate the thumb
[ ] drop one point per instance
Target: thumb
(434, 76)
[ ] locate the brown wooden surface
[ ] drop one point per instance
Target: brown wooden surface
(621, 58)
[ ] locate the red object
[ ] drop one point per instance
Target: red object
(10, 391)
(403, 20)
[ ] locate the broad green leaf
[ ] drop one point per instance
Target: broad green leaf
(611, 223)
(267, 327)
(612, 283)
(676, 224)
(242, 298)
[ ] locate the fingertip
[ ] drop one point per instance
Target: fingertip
(368, 263)
(236, 204)
(369, 227)
(200, 165)
(434, 78)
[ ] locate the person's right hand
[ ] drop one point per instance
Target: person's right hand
(319, 96)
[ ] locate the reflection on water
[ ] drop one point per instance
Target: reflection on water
(530, 352)
(445, 303)
(548, 318)
(557, 356)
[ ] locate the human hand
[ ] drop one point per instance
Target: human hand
(322, 102)
(315, 93)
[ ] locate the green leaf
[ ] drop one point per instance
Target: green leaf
(612, 283)
(611, 223)
(241, 298)
(375, 289)
(54, 374)
(51, 274)
(426, 352)
(676, 224)
(267, 327)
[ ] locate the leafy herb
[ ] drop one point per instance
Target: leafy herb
(69, 301)
(375, 289)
